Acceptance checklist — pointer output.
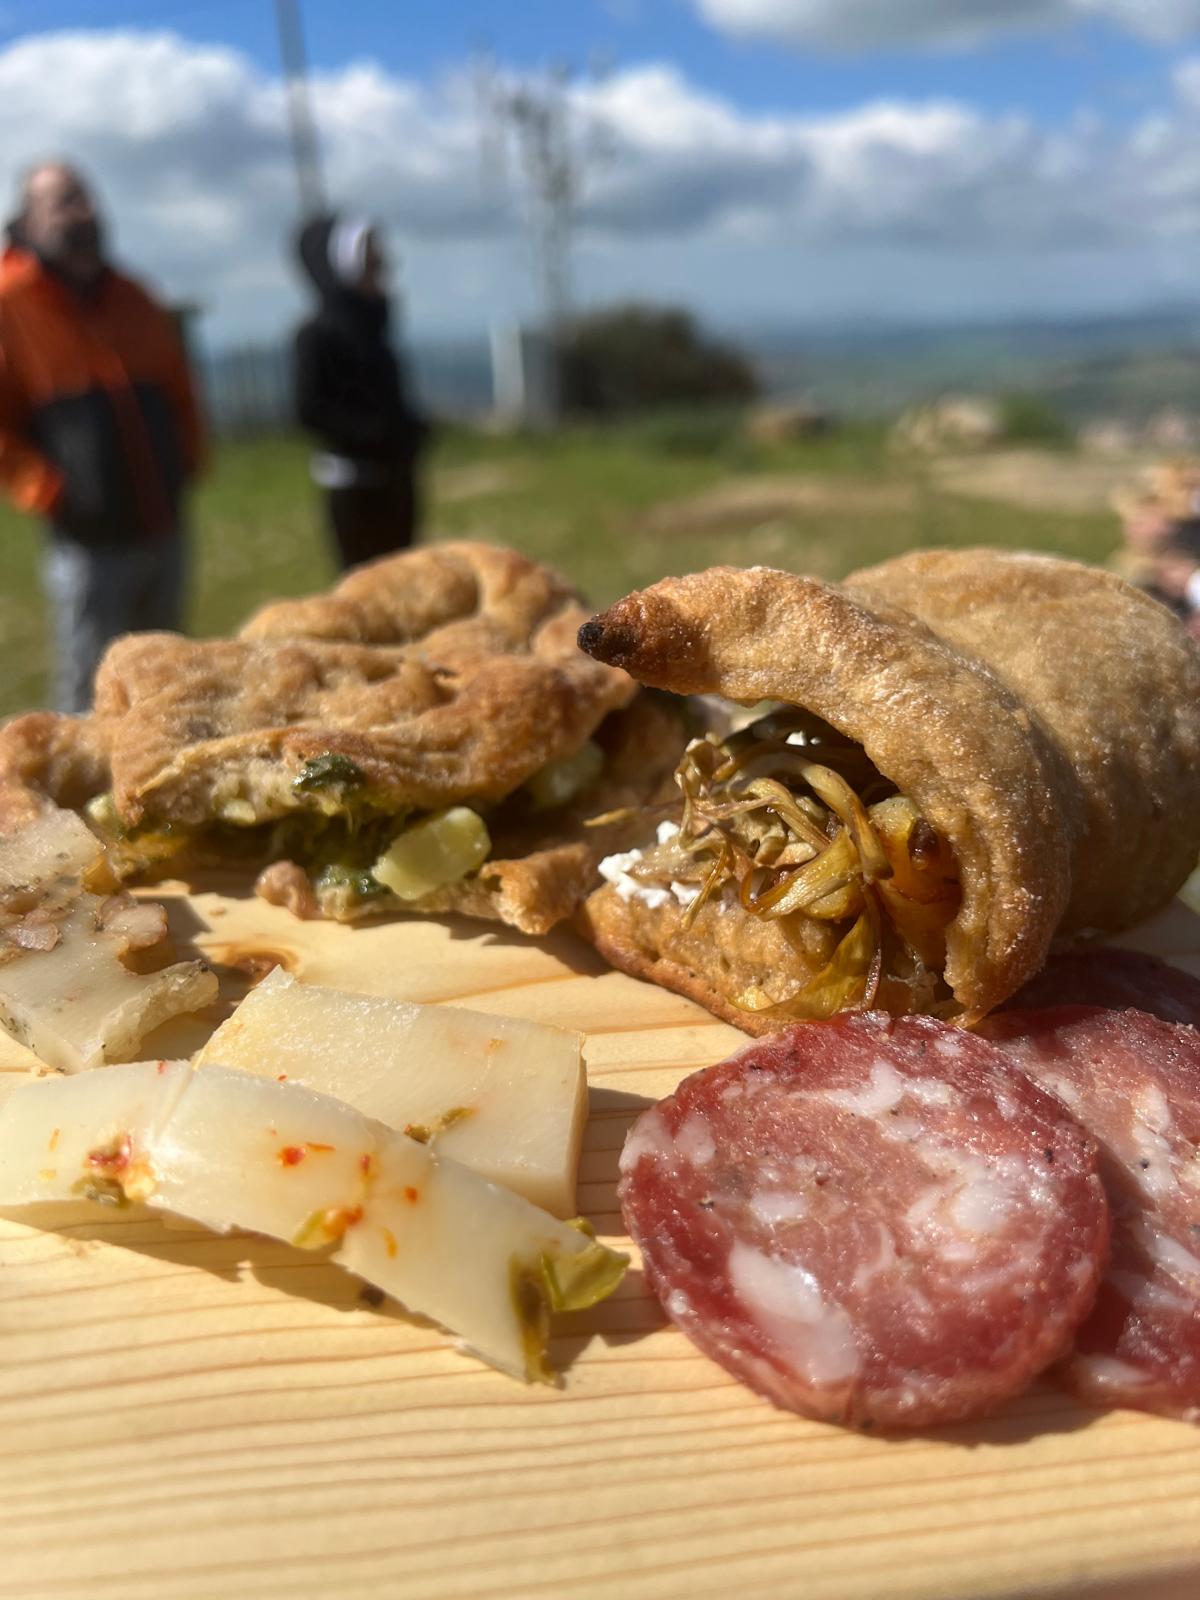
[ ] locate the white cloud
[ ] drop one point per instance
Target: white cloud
(1186, 81)
(874, 24)
(894, 207)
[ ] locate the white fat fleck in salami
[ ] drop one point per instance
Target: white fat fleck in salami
(883, 1092)
(1110, 1378)
(694, 1141)
(1149, 1162)
(869, 1220)
(1134, 1082)
(1167, 1252)
(883, 1261)
(778, 1205)
(932, 1091)
(647, 1133)
(677, 1304)
(785, 1300)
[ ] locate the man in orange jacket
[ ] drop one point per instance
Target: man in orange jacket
(99, 428)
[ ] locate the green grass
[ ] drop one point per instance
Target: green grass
(257, 535)
(581, 500)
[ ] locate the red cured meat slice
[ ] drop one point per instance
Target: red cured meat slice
(1103, 976)
(1134, 1083)
(870, 1220)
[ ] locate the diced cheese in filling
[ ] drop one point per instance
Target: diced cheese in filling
(561, 781)
(328, 820)
(436, 851)
(617, 870)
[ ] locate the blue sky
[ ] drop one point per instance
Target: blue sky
(774, 159)
(1050, 75)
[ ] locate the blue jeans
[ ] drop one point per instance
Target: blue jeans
(97, 594)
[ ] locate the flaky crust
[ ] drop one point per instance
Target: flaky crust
(725, 951)
(446, 674)
(1115, 681)
(967, 742)
(49, 760)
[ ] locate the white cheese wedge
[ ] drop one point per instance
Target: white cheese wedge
(78, 1005)
(230, 1150)
(56, 848)
(71, 1138)
(506, 1097)
(65, 989)
(236, 1152)
(10, 1080)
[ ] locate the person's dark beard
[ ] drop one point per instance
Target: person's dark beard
(78, 258)
(83, 238)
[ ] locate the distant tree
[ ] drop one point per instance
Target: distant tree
(637, 357)
(1032, 419)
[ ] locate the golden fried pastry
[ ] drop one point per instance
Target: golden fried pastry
(48, 760)
(968, 752)
(426, 736)
(441, 675)
(1114, 681)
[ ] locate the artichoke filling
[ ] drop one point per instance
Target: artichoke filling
(788, 821)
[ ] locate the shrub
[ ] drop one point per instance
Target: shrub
(1031, 419)
(634, 358)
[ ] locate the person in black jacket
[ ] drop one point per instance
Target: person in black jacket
(350, 393)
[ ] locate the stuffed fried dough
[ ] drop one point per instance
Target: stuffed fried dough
(963, 754)
(424, 737)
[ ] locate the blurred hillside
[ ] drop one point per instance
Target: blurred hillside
(1129, 367)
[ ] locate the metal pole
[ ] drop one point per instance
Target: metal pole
(306, 154)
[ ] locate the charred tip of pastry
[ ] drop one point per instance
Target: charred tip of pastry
(608, 642)
(590, 635)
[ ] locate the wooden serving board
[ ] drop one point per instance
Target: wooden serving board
(185, 1415)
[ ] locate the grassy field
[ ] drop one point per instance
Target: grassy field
(615, 510)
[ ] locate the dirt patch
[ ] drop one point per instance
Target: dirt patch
(1036, 480)
(744, 503)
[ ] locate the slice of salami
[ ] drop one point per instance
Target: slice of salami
(1134, 1083)
(870, 1220)
(1103, 976)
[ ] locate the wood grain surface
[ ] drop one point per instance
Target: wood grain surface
(192, 1417)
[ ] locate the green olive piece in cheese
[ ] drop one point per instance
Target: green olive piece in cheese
(443, 1240)
(229, 1150)
(440, 849)
(559, 782)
